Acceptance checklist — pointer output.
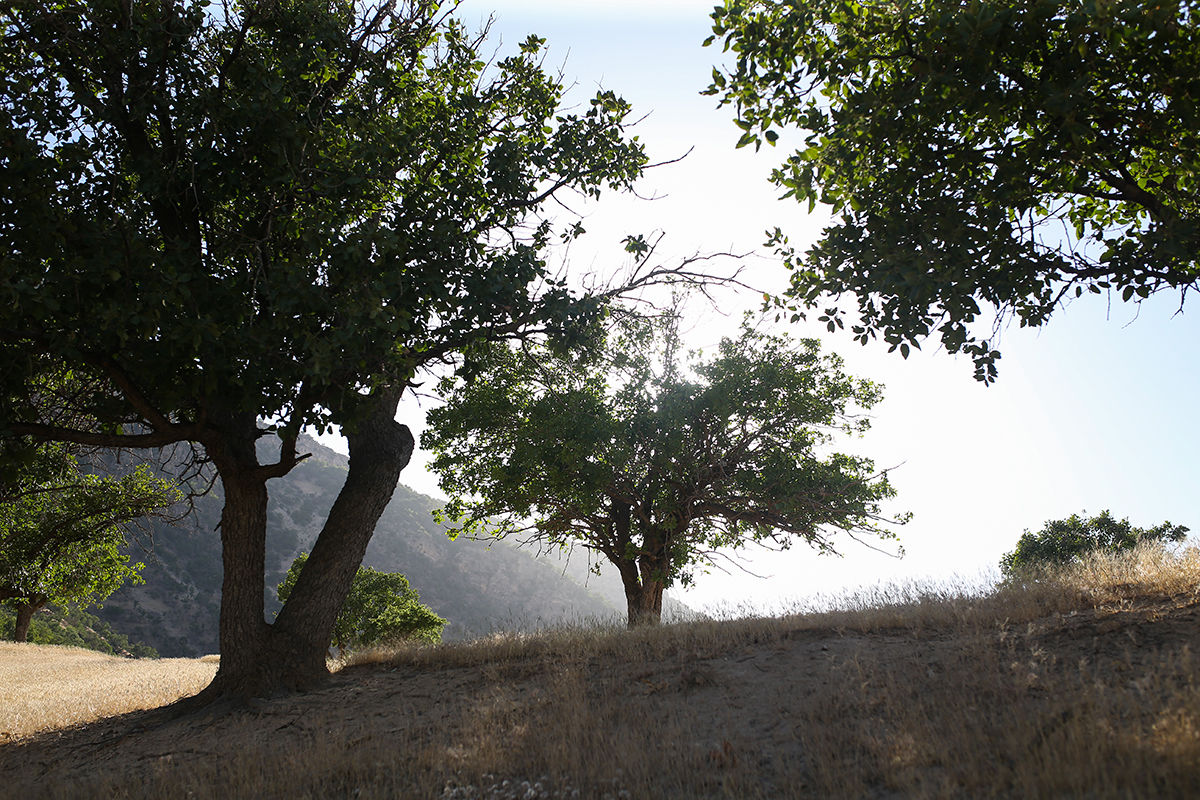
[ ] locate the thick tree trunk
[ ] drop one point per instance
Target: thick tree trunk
(248, 665)
(260, 659)
(380, 448)
(646, 576)
(643, 596)
(645, 604)
(24, 617)
(252, 663)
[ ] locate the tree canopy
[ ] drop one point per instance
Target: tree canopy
(306, 196)
(655, 463)
(63, 532)
(991, 156)
(261, 216)
(380, 608)
(1061, 541)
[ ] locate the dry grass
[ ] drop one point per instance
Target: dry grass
(45, 687)
(1081, 683)
(1101, 581)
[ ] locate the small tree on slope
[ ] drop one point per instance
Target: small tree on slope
(62, 532)
(656, 470)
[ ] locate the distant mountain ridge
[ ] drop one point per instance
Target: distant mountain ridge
(478, 586)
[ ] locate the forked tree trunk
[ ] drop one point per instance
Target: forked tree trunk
(643, 596)
(257, 658)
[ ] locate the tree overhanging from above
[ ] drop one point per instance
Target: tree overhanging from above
(989, 160)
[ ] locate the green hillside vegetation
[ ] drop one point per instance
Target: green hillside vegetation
(479, 587)
(74, 628)
(382, 608)
(1061, 541)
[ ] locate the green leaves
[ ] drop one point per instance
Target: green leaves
(62, 532)
(979, 159)
(270, 205)
(1062, 541)
(381, 608)
(654, 461)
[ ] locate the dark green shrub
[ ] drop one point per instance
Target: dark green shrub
(1061, 541)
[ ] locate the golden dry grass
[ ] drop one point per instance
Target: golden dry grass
(1100, 581)
(45, 687)
(1078, 683)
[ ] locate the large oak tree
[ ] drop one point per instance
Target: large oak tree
(655, 464)
(994, 156)
(244, 218)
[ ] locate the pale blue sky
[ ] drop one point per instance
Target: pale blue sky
(1094, 411)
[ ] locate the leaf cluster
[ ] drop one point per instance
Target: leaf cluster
(1062, 541)
(1002, 155)
(272, 207)
(63, 531)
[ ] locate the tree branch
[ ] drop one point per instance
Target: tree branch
(159, 438)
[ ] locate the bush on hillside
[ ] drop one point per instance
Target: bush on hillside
(380, 608)
(1062, 541)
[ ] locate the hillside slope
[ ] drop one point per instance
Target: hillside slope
(1081, 685)
(478, 586)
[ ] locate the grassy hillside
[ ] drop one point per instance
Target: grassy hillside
(478, 586)
(1082, 684)
(47, 687)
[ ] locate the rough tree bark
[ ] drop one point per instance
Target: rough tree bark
(645, 604)
(643, 590)
(246, 661)
(243, 628)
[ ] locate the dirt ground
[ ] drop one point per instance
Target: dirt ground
(802, 713)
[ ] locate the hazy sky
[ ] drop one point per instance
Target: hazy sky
(1093, 411)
